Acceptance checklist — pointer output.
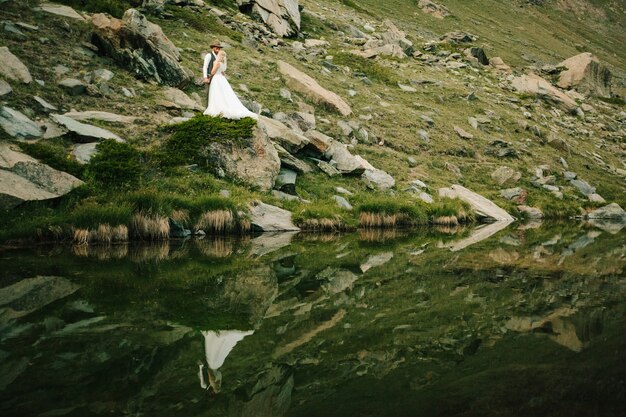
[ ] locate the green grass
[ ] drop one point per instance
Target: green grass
(203, 22)
(369, 67)
(55, 153)
(115, 164)
(115, 8)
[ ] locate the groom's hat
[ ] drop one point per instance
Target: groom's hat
(216, 44)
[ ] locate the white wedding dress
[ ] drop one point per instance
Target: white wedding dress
(223, 101)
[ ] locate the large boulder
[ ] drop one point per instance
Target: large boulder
(12, 68)
(23, 178)
(139, 45)
(281, 16)
(267, 218)
(586, 74)
(257, 163)
(535, 85)
(299, 81)
(18, 125)
(180, 98)
(482, 206)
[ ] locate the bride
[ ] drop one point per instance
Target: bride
(222, 99)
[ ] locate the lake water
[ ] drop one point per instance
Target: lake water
(525, 321)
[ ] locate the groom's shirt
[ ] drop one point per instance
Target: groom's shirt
(209, 59)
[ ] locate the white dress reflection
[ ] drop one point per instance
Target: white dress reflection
(217, 346)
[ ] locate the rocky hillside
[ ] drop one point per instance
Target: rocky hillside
(371, 114)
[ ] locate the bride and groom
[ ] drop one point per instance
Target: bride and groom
(222, 100)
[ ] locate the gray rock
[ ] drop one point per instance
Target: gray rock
(412, 161)
(426, 198)
(419, 184)
(286, 94)
(59, 10)
(290, 161)
(569, 175)
(505, 174)
(428, 120)
(267, 218)
(596, 198)
(531, 212)
(462, 133)
(379, 179)
(583, 187)
(550, 187)
(84, 132)
(286, 137)
(341, 158)
(285, 197)
(12, 68)
(342, 190)
(127, 92)
(12, 31)
(481, 205)
(612, 211)
(5, 88)
(44, 104)
(346, 129)
(181, 99)
(102, 116)
(423, 135)
(32, 294)
(16, 124)
(73, 86)
(328, 169)
(342, 202)
(511, 193)
(286, 181)
(319, 143)
(99, 75)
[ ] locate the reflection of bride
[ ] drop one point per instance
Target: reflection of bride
(223, 101)
(217, 346)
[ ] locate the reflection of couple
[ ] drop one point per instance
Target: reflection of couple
(217, 346)
(222, 100)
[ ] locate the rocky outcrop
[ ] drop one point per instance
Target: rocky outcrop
(12, 68)
(482, 206)
(59, 10)
(299, 81)
(19, 126)
(535, 85)
(586, 74)
(256, 163)
(268, 218)
(140, 46)
(281, 16)
(612, 211)
(23, 178)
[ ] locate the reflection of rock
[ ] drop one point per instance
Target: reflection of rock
(31, 294)
(253, 289)
(270, 242)
(504, 257)
(338, 280)
(308, 336)
(478, 234)
(376, 260)
(270, 397)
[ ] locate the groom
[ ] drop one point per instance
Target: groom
(207, 68)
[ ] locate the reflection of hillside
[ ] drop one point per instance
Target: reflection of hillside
(381, 322)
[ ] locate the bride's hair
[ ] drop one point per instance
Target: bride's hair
(221, 56)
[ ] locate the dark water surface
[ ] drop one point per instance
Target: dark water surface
(529, 321)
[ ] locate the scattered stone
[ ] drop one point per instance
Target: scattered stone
(99, 75)
(426, 198)
(73, 86)
(428, 120)
(407, 88)
(505, 174)
(411, 161)
(319, 143)
(341, 158)
(299, 81)
(127, 92)
(44, 104)
(267, 218)
(423, 135)
(569, 175)
(583, 187)
(462, 133)
(481, 205)
(328, 169)
(12, 68)
(586, 74)
(61, 70)
(498, 64)
(342, 202)
(84, 132)
(378, 179)
(458, 37)
(517, 194)
(478, 54)
(530, 212)
(596, 198)
(286, 94)
(342, 190)
(102, 116)
(59, 10)
(290, 161)
(13, 32)
(16, 124)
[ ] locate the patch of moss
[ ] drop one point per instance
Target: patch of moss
(190, 139)
(55, 154)
(115, 165)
